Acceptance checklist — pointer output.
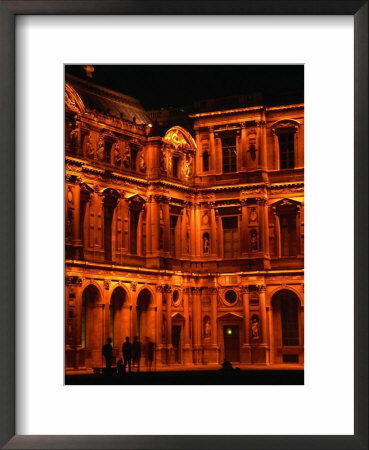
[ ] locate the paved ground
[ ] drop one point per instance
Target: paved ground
(254, 376)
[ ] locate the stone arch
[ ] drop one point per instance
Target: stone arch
(145, 315)
(73, 101)
(119, 311)
(287, 324)
(286, 288)
(285, 123)
(180, 139)
(93, 333)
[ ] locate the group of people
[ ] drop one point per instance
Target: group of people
(131, 355)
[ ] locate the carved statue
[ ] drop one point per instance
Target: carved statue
(117, 155)
(207, 328)
(127, 158)
(254, 240)
(90, 151)
(74, 136)
(101, 150)
(163, 165)
(206, 243)
(255, 327)
(188, 165)
(142, 163)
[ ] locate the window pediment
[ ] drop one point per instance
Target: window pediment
(179, 139)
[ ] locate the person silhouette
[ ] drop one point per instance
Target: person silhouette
(136, 353)
(107, 352)
(149, 353)
(127, 354)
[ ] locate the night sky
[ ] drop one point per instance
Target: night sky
(160, 86)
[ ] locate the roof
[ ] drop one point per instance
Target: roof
(106, 101)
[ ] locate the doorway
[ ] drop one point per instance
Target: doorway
(176, 340)
(231, 337)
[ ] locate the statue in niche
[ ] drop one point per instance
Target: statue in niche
(206, 243)
(127, 157)
(254, 240)
(142, 163)
(117, 155)
(101, 150)
(207, 328)
(74, 135)
(163, 166)
(90, 151)
(255, 327)
(188, 165)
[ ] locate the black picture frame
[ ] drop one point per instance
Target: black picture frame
(8, 11)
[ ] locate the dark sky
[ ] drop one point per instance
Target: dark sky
(159, 86)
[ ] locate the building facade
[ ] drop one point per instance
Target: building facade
(195, 241)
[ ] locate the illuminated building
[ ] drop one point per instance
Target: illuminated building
(193, 241)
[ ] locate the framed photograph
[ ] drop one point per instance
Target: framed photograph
(186, 177)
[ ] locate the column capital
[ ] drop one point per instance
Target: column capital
(159, 288)
(213, 290)
(261, 288)
(244, 289)
(196, 290)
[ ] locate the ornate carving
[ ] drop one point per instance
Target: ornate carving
(141, 162)
(106, 284)
(179, 139)
(100, 150)
(133, 286)
(244, 289)
(75, 280)
(90, 150)
(117, 155)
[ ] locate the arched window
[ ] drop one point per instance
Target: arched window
(290, 321)
(205, 161)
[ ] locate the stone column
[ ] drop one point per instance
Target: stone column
(193, 231)
(243, 149)
(159, 325)
(187, 350)
(168, 296)
(76, 215)
(197, 230)
(198, 165)
(155, 224)
(244, 227)
(196, 317)
(245, 348)
(263, 143)
(277, 233)
(148, 226)
(213, 158)
(166, 237)
(214, 237)
(261, 289)
(271, 336)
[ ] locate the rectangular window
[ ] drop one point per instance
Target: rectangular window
(173, 223)
(108, 146)
(133, 231)
(229, 154)
(175, 166)
(288, 234)
(133, 159)
(230, 237)
(286, 150)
